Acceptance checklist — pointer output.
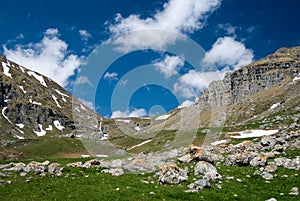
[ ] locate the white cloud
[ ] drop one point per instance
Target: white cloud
(135, 113)
(185, 103)
(191, 83)
(170, 65)
(83, 80)
(176, 16)
(85, 35)
(111, 76)
(49, 57)
(226, 52)
(228, 28)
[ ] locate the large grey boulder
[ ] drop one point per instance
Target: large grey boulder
(172, 174)
(207, 170)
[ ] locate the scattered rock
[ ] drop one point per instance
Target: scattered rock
(294, 191)
(114, 171)
(259, 160)
(199, 185)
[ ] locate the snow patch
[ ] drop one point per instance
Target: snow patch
(123, 120)
(58, 125)
(6, 70)
(34, 102)
(3, 113)
(55, 100)
(40, 133)
(163, 117)
(40, 78)
(254, 133)
(81, 106)
(19, 137)
(22, 69)
(218, 142)
(137, 128)
(138, 145)
(50, 127)
(274, 106)
(22, 88)
(77, 109)
(60, 93)
(296, 79)
(20, 125)
(63, 99)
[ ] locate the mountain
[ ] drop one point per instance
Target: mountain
(40, 119)
(34, 107)
(263, 94)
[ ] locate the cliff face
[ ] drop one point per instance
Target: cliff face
(283, 65)
(33, 105)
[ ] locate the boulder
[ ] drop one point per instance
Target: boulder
(208, 171)
(294, 191)
(259, 160)
(172, 174)
(198, 185)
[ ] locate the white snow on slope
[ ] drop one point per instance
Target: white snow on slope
(49, 128)
(60, 93)
(218, 142)
(78, 110)
(55, 100)
(19, 137)
(254, 133)
(274, 106)
(123, 120)
(163, 117)
(3, 113)
(296, 78)
(34, 102)
(40, 133)
(58, 125)
(22, 69)
(20, 125)
(40, 78)
(81, 106)
(6, 70)
(22, 88)
(138, 145)
(137, 128)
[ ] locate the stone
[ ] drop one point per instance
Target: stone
(54, 168)
(240, 159)
(172, 174)
(116, 163)
(199, 185)
(203, 154)
(208, 171)
(75, 164)
(271, 168)
(114, 171)
(294, 191)
(271, 199)
(259, 160)
(185, 159)
(267, 176)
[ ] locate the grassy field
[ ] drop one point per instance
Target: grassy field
(91, 184)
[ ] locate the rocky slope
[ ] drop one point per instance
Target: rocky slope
(33, 105)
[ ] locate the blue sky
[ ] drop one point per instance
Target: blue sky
(56, 38)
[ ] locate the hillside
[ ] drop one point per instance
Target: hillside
(34, 109)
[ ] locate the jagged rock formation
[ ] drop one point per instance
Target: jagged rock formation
(256, 77)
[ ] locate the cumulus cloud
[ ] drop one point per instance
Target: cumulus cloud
(228, 53)
(135, 113)
(85, 35)
(49, 57)
(185, 103)
(111, 76)
(170, 65)
(176, 16)
(190, 84)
